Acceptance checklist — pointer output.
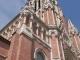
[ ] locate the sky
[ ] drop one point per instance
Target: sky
(10, 8)
(71, 9)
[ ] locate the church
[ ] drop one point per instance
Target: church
(40, 32)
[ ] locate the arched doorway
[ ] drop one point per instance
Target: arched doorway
(69, 55)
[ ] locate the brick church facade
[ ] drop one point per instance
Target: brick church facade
(40, 32)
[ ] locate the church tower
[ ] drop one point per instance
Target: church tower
(40, 32)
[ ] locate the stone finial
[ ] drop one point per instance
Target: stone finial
(71, 27)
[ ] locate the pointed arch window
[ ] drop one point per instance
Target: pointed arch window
(35, 6)
(40, 56)
(39, 4)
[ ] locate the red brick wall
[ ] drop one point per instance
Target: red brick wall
(50, 16)
(20, 48)
(54, 46)
(13, 47)
(4, 47)
(64, 22)
(38, 45)
(45, 17)
(24, 50)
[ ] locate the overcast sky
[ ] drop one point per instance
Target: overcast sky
(10, 8)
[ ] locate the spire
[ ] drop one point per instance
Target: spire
(71, 27)
(47, 10)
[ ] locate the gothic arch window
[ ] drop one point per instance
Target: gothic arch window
(39, 4)
(40, 56)
(44, 35)
(39, 33)
(35, 6)
(34, 27)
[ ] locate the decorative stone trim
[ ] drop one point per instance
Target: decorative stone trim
(79, 35)
(73, 49)
(78, 53)
(61, 38)
(47, 33)
(26, 30)
(9, 38)
(41, 51)
(3, 56)
(67, 40)
(14, 24)
(72, 28)
(25, 12)
(68, 43)
(19, 25)
(56, 33)
(37, 25)
(5, 33)
(56, 59)
(48, 4)
(42, 29)
(39, 40)
(50, 31)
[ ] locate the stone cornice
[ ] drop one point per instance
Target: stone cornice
(39, 40)
(54, 27)
(27, 31)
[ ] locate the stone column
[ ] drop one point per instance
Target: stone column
(24, 22)
(37, 8)
(19, 25)
(41, 9)
(42, 30)
(37, 31)
(31, 20)
(47, 37)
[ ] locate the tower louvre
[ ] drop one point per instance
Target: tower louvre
(40, 32)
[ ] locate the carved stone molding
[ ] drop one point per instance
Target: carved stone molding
(37, 25)
(47, 5)
(40, 50)
(42, 29)
(61, 38)
(56, 33)
(79, 34)
(56, 59)
(67, 41)
(26, 30)
(26, 13)
(78, 53)
(39, 40)
(47, 33)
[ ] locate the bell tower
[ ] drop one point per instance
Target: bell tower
(40, 32)
(47, 10)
